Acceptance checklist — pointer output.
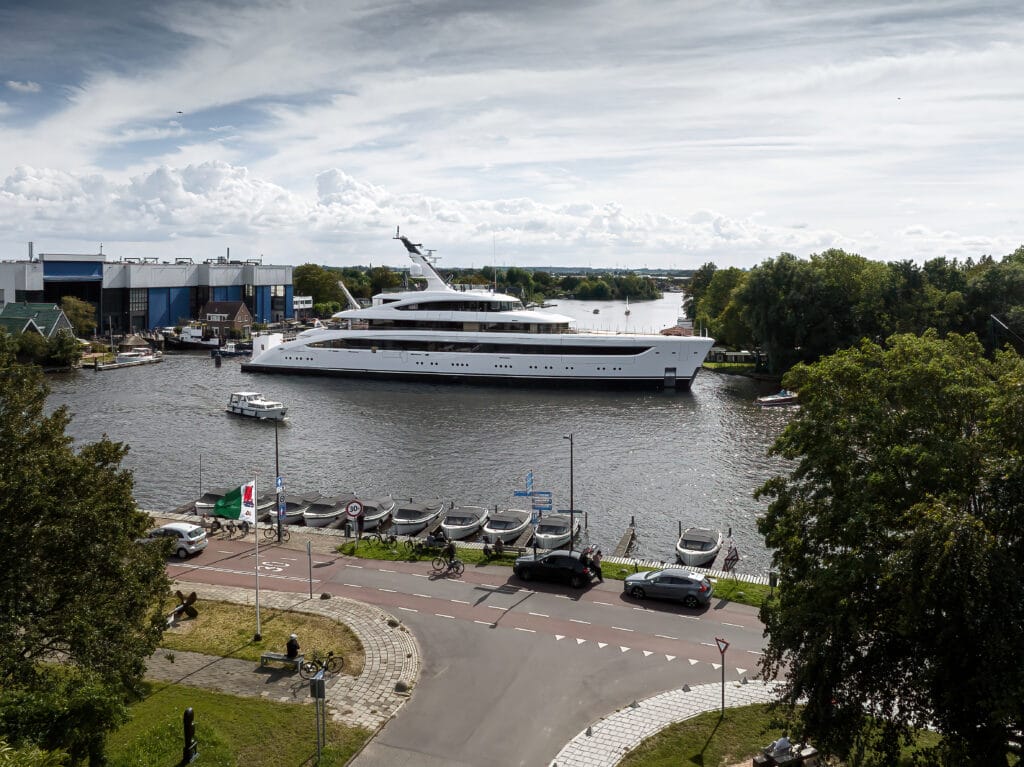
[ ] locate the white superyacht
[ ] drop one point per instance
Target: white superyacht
(444, 333)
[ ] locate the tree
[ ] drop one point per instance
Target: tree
(81, 314)
(899, 540)
(318, 282)
(81, 602)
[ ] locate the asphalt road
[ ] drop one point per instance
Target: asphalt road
(511, 671)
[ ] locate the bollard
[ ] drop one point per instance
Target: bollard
(191, 748)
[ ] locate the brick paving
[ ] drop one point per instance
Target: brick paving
(604, 743)
(368, 700)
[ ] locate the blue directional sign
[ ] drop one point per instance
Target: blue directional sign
(529, 481)
(280, 484)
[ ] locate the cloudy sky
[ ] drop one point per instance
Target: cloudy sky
(660, 133)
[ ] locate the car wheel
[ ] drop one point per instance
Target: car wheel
(182, 553)
(577, 581)
(524, 575)
(691, 601)
(637, 592)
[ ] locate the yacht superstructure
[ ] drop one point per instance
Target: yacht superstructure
(444, 333)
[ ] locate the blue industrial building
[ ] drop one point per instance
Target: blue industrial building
(134, 294)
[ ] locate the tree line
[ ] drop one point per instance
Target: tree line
(321, 282)
(798, 310)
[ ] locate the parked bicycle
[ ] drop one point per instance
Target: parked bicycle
(443, 567)
(389, 540)
(331, 663)
(230, 527)
(270, 533)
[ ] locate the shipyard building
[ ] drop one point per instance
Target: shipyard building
(135, 294)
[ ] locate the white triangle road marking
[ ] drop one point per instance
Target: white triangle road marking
(624, 649)
(693, 662)
(559, 637)
(580, 641)
(648, 653)
(740, 671)
(716, 666)
(602, 645)
(670, 657)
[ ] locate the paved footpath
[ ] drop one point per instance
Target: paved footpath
(604, 743)
(369, 700)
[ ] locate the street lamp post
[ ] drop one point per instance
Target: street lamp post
(277, 483)
(572, 505)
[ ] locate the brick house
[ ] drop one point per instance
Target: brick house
(226, 319)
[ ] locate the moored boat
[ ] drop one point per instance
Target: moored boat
(324, 510)
(253, 405)
(698, 546)
(553, 530)
(205, 503)
(507, 524)
(463, 521)
(294, 508)
(376, 510)
(411, 516)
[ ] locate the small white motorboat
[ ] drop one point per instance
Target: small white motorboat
(324, 510)
(252, 404)
(294, 508)
(698, 546)
(507, 524)
(462, 521)
(781, 397)
(410, 517)
(553, 530)
(205, 503)
(376, 511)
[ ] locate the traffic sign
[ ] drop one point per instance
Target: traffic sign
(280, 484)
(354, 509)
(722, 645)
(731, 559)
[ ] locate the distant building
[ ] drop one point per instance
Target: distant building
(226, 319)
(138, 294)
(303, 306)
(45, 319)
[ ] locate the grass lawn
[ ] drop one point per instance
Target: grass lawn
(226, 629)
(751, 594)
(230, 731)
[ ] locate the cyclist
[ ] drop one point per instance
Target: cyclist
(449, 553)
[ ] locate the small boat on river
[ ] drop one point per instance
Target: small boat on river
(205, 503)
(324, 510)
(781, 397)
(295, 508)
(410, 517)
(253, 405)
(698, 546)
(231, 349)
(463, 521)
(553, 530)
(377, 510)
(507, 524)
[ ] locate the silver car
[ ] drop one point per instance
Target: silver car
(692, 589)
(186, 539)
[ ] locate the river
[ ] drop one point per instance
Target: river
(661, 457)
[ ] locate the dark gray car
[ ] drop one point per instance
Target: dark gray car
(692, 589)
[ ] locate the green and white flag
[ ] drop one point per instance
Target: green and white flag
(238, 504)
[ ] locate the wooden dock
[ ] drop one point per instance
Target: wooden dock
(627, 541)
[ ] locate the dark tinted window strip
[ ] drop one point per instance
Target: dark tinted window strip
(415, 345)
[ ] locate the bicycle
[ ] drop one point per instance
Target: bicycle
(390, 540)
(230, 528)
(331, 663)
(270, 533)
(443, 567)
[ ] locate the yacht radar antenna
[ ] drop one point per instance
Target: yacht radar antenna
(423, 260)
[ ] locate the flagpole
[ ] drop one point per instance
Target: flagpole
(258, 637)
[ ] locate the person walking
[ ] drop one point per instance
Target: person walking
(596, 561)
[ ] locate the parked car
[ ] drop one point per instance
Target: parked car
(186, 538)
(563, 566)
(692, 589)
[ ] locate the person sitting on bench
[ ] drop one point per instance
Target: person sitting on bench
(293, 647)
(497, 551)
(436, 538)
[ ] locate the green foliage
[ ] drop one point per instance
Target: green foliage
(81, 314)
(381, 277)
(318, 282)
(230, 731)
(30, 756)
(899, 540)
(63, 350)
(84, 590)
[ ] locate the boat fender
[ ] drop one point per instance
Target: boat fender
(373, 349)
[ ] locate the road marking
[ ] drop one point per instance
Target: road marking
(693, 662)
(563, 596)
(559, 637)
(408, 609)
(484, 623)
(690, 617)
(357, 567)
(755, 652)
(460, 601)
(670, 657)
(390, 591)
(425, 596)
(665, 636)
(606, 604)
(602, 645)
(244, 572)
(642, 609)
(495, 607)
(716, 666)
(740, 671)
(580, 641)
(574, 620)
(531, 631)
(619, 628)
(734, 625)
(386, 571)
(221, 551)
(352, 585)
(419, 575)
(648, 653)
(443, 615)
(623, 649)
(539, 615)
(290, 559)
(708, 644)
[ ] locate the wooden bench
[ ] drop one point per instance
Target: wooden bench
(280, 657)
(508, 551)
